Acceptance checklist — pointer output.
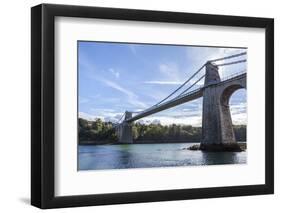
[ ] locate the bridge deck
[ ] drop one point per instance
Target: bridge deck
(180, 99)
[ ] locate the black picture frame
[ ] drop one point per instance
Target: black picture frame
(43, 111)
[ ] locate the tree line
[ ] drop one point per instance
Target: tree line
(100, 132)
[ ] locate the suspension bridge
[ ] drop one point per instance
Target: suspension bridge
(217, 128)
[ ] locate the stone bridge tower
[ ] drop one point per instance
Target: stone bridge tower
(124, 130)
(217, 128)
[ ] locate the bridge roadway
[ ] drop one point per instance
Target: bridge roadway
(197, 93)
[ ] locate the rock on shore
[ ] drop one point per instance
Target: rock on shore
(234, 147)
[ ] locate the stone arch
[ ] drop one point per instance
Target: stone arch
(226, 120)
(227, 93)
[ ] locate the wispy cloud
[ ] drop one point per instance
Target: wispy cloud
(239, 113)
(114, 72)
(239, 108)
(189, 115)
(132, 97)
(164, 82)
(133, 48)
(89, 116)
(170, 71)
(191, 120)
(103, 114)
(83, 100)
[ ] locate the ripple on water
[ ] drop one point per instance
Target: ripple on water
(96, 157)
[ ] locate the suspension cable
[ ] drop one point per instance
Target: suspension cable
(192, 85)
(180, 86)
(228, 57)
(230, 63)
(121, 118)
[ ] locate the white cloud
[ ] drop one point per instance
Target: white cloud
(114, 72)
(103, 114)
(185, 117)
(170, 72)
(239, 119)
(239, 113)
(114, 119)
(199, 56)
(89, 117)
(191, 110)
(166, 120)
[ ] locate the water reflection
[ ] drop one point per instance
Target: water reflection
(151, 155)
(210, 158)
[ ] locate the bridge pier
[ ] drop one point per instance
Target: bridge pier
(124, 130)
(217, 129)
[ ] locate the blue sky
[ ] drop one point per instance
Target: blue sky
(115, 77)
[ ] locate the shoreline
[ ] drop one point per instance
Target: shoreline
(242, 144)
(135, 142)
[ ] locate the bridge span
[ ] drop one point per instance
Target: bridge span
(217, 128)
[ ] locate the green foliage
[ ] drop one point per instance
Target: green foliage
(158, 132)
(96, 131)
(103, 132)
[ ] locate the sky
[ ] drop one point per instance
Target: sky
(118, 77)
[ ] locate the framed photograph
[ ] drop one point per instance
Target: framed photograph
(139, 106)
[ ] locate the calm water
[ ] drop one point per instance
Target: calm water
(151, 155)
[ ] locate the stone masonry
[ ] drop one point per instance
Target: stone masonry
(217, 129)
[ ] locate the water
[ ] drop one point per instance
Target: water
(92, 157)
